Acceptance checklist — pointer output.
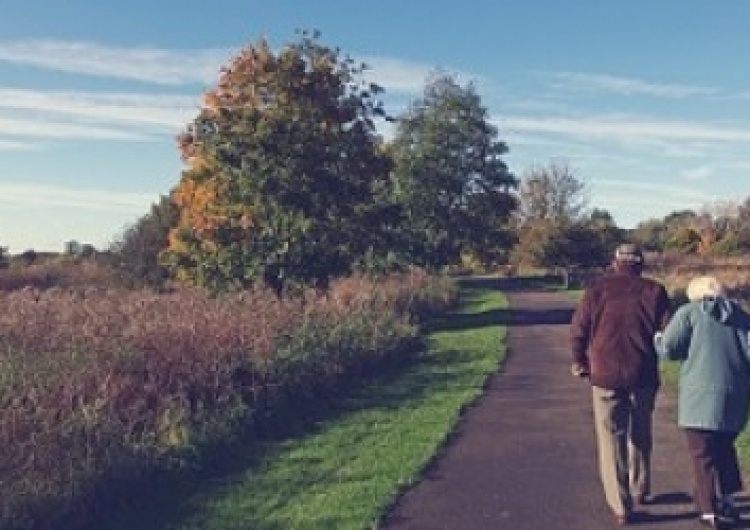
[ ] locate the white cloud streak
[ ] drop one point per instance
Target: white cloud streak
(10, 145)
(147, 65)
(170, 67)
(43, 127)
(654, 190)
(698, 173)
(161, 111)
(626, 129)
(397, 76)
(574, 81)
(637, 201)
(40, 195)
(408, 78)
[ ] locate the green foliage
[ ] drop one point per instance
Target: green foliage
(684, 240)
(28, 257)
(588, 246)
(597, 239)
(537, 244)
(650, 235)
(286, 178)
(4, 258)
(587, 243)
(79, 250)
(136, 253)
(554, 230)
(676, 231)
(450, 178)
(728, 245)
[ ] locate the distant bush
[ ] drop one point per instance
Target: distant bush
(676, 271)
(61, 271)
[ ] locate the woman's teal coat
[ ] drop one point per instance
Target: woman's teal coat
(710, 337)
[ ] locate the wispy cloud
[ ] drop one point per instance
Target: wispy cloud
(537, 105)
(573, 81)
(409, 78)
(44, 127)
(40, 195)
(10, 145)
(150, 65)
(627, 129)
(638, 201)
(655, 190)
(396, 75)
(165, 111)
(172, 67)
(698, 173)
(63, 115)
(718, 168)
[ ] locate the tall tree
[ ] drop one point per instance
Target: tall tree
(284, 171)
(553, 192)
(554, 229)
(450, 175)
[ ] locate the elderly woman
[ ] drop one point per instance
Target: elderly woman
(709, 334)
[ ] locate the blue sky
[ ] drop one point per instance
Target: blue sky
(647, 101)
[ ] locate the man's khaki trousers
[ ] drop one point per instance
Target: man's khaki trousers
(624, 440)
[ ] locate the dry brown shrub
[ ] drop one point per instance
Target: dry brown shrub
(100, 385)
(60, 271)
(676, 271)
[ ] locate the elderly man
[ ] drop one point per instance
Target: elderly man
(612, 345)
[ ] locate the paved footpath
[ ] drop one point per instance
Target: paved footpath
(523, 457)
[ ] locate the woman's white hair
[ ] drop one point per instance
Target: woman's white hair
(704, 287)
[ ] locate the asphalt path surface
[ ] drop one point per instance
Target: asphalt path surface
(523, 457)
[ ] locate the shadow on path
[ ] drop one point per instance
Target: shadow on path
(514, 283)
(505, 317)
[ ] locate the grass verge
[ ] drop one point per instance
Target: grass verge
(368, 447)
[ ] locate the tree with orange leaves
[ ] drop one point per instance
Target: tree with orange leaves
(285, 174)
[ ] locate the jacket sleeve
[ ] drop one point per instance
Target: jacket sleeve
(674, 342)
(743, 333)
(663, 308)
(580, 331)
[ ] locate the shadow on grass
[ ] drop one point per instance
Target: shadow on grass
(176, 503)
(515, 283)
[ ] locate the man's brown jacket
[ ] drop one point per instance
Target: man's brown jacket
(613, 328)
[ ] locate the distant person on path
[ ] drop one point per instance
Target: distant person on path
(612, 340)
(709, 335)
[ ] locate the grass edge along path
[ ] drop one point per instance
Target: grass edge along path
(347, 472)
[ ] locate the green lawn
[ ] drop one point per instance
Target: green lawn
(348, 470)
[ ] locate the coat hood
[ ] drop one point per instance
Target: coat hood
(720, 309)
